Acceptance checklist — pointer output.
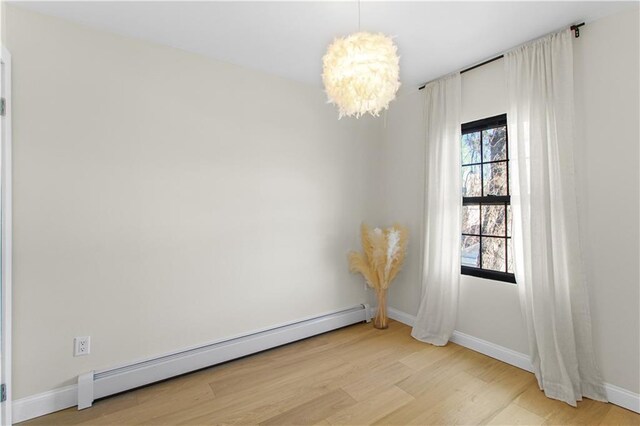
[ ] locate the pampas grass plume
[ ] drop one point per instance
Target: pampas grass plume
(384, 254)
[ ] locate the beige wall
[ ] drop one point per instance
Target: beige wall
(163, 200)
(607, 96)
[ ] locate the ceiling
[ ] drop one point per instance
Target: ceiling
(289, 38)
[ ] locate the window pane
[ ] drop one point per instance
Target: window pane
(471, 251)
(493, 220)
(493, 253)
(471, 181)
(494, 144)
(510, 256)
(509, 219)
(495, 179)
(471, 148)
(470, 219)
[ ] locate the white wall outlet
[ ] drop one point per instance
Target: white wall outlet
(81, 346)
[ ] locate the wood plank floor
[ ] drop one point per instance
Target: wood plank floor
(356, 375)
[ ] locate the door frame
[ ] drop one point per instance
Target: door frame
(6, 232)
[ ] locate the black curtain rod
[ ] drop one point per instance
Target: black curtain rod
(488, 61)
(575, 28)
(481, 64)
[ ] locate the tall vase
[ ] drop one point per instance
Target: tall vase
(381, 320)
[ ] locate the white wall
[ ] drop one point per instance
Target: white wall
(163, 200)
(489, 310)
(607, 70)
(401, 177)
(607, 94)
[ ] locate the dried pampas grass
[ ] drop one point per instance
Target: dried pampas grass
(384, 254)
(358, 263)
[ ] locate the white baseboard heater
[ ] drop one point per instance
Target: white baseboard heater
(98, 384)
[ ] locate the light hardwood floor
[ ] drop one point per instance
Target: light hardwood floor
(355, 375)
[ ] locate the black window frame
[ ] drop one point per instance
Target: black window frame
(505, 200)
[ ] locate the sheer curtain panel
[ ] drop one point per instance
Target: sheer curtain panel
(436, 317)
(547, 258)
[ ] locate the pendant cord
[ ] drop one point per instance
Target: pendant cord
(358, 15)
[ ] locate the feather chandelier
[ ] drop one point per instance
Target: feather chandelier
(360, 73)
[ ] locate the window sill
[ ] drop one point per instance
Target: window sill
(487, 274)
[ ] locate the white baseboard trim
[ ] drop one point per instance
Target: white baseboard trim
(400, 316)
(44, 403)
(616, 395)
(98, 384)
(622, 397)
(498, 352)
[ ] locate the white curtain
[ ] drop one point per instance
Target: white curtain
(547, 255)
(442, 213)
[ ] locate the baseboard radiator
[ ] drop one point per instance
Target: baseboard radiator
(94, 385)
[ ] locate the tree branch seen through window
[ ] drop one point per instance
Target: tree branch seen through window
(486, 211)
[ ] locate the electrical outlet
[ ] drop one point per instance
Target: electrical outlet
(81, 346)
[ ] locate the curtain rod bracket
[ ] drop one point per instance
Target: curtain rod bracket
(576, 29)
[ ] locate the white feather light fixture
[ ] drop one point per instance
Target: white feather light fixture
(361, 73)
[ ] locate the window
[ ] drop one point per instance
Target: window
(486, 210)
